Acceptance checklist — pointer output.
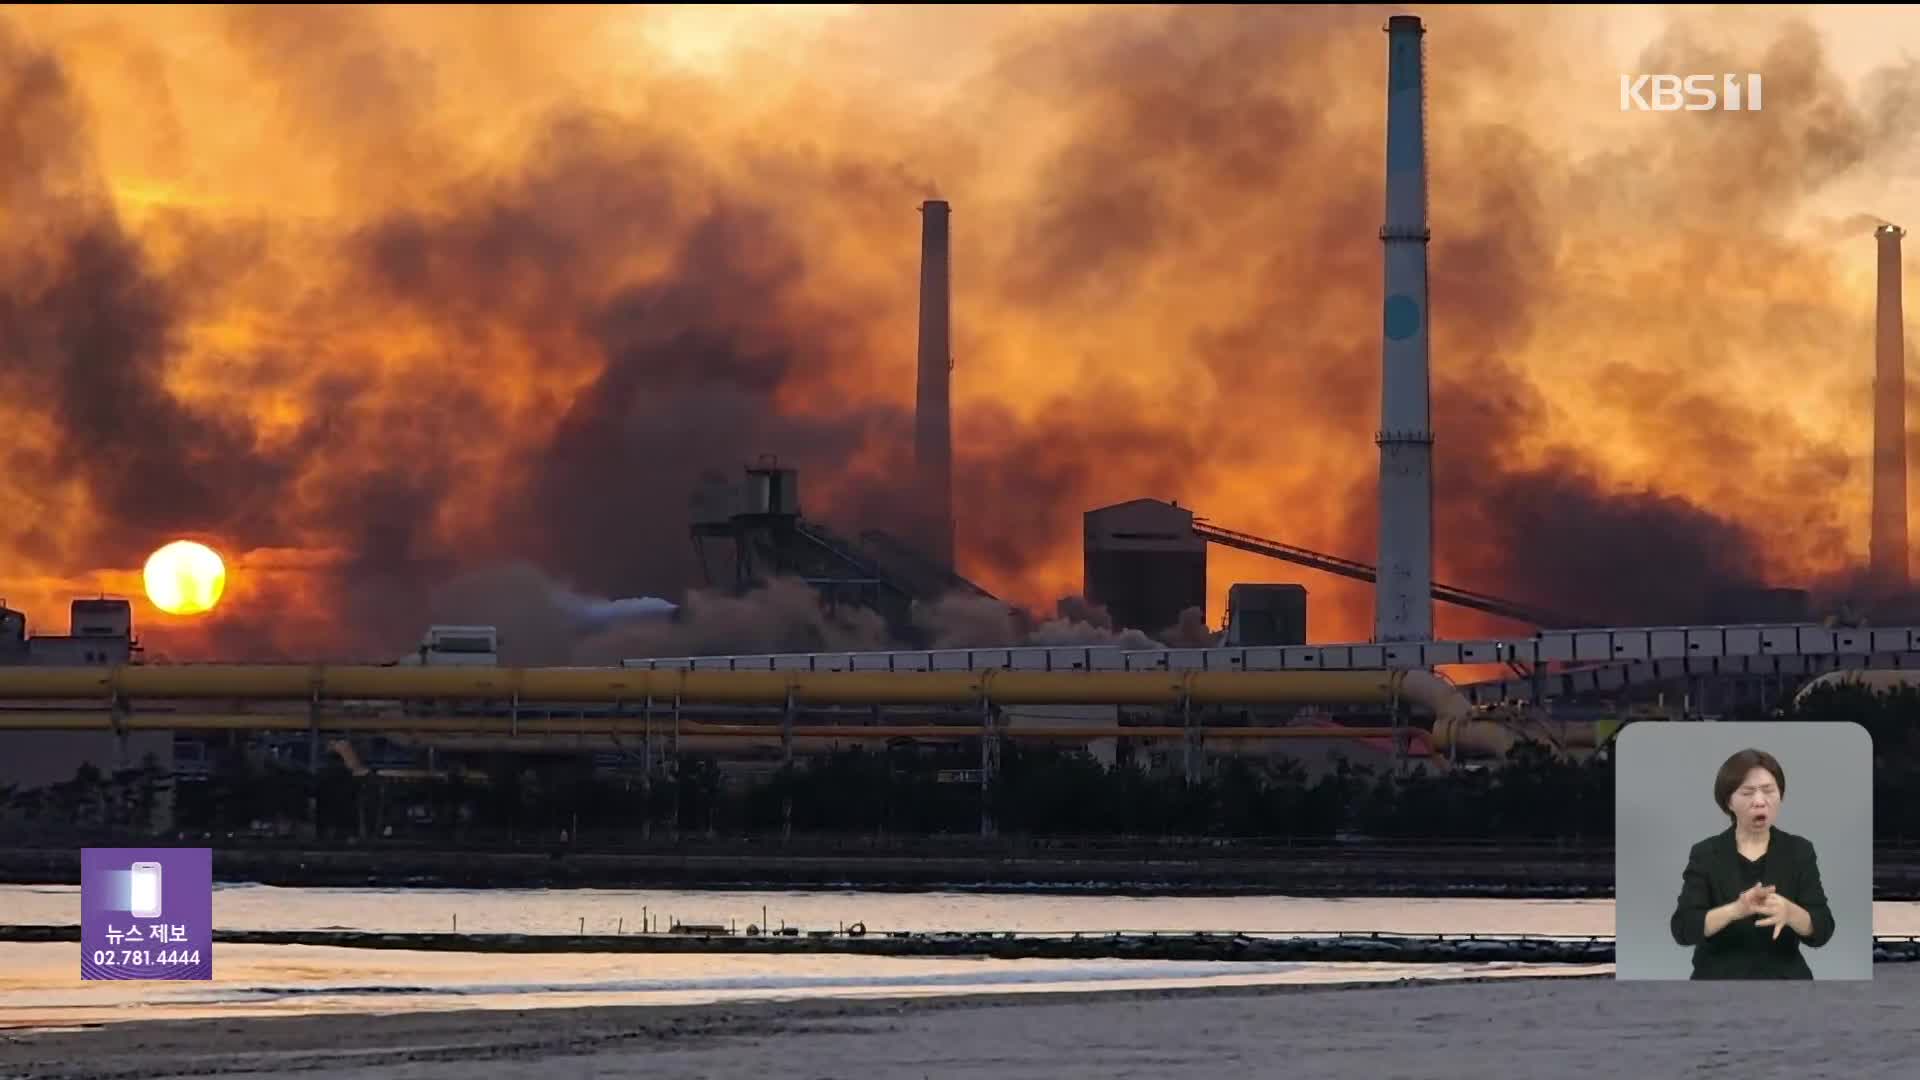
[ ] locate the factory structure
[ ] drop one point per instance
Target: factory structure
(1257, 685)
(100, 631)
(752, 531)
(1145, 561)
(99, 634)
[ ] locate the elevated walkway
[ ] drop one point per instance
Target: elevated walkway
(1551, 664)
(1617, 645)
(1359, 571)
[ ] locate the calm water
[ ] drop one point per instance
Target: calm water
(558, 911)
(40, 985)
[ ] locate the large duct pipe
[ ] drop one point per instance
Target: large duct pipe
(632, 686)
(1490, 737)
(1436, 695)
(1887, 559)
(1877, 680)
(933, 414)
(1403, 594)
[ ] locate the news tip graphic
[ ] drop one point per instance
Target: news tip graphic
(146, 913)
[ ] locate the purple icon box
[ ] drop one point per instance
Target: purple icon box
(146, 913)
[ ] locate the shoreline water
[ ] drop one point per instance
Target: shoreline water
(1458, 871)
(396, 1014)
(1202, 945)
(39, 982)
(1452, 871)
(41, 991)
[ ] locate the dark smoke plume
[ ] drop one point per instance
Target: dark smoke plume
(492, 305)
(543, 622)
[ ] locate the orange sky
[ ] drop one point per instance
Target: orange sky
(366, 299)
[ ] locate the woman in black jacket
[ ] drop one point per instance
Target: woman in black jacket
(1751, 896)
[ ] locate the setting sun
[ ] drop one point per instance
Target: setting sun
(185, 578)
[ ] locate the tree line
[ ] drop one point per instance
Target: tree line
(907, 792)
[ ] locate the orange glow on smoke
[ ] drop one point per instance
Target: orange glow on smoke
(383, 295)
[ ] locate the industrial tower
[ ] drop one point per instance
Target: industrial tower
(1887, 547)
(1403, 594)
(933, 414)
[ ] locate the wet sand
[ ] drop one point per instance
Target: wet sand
(1511, 1027)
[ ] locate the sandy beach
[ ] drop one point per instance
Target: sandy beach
(1515, 1027)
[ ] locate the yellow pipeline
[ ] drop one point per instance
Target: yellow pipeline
(213, 682)
(607, 731)
(631, 727)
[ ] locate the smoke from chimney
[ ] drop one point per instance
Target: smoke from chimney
(933, 417)
(1403, 592)
(1887, 547)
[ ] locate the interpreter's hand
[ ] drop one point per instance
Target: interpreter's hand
(1754, 900)
(1775, 911)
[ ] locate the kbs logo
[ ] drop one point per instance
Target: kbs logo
(1692, 93)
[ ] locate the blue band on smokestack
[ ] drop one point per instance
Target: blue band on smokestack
(1403, 317)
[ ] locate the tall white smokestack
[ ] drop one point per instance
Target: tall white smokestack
(933, 416)
(1403, 594)
(1887, 547)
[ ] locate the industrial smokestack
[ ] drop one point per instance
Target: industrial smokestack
(933, 416)
(1887, 548)
(1403, 592)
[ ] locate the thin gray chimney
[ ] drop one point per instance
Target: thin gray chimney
(1887, 547)
(933, 413)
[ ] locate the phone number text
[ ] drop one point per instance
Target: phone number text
(144, 957)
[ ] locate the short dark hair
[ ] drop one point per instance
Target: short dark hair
(1734, 773)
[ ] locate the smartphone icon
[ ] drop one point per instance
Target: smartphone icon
(146, 890)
